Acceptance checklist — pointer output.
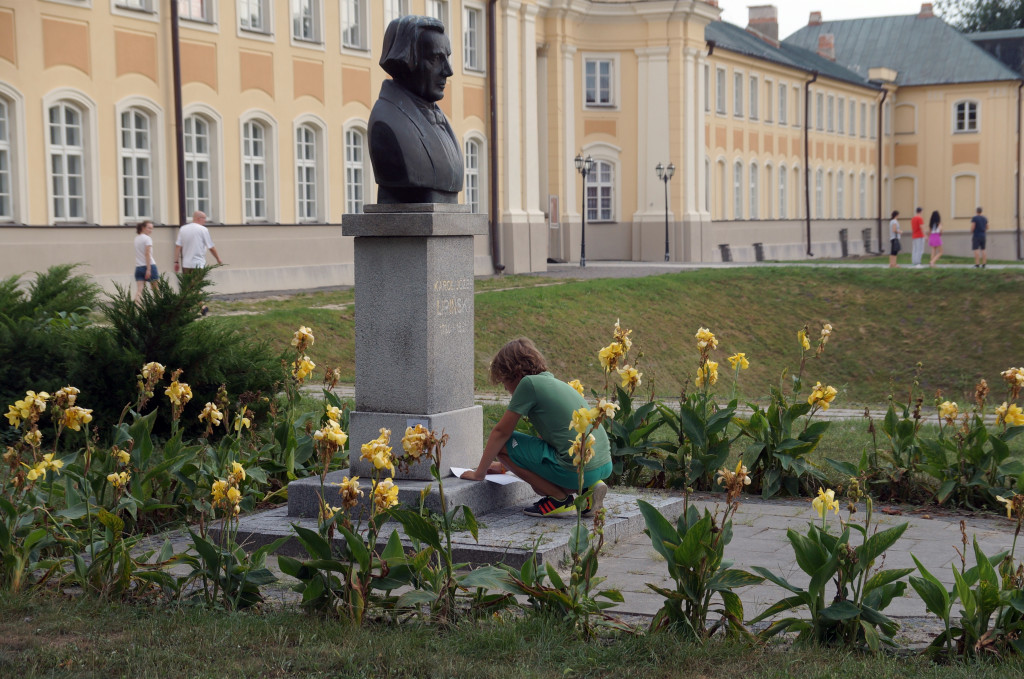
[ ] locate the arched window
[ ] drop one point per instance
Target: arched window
(198, 165)
(754, 177)
(136, 165)
(769, 194)
(819, 197)
(254, 171)
(6, 191)
(721, 189)
(67, 161)
(308, 199)
(737, 190)
(783, 208)
(355, 171)
(798, 194)
(863, 197)
(840, 195)
(472, 183)
(601, 192)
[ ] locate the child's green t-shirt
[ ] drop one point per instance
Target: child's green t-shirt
(549, 403)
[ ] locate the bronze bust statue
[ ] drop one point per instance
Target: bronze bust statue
(415, 155)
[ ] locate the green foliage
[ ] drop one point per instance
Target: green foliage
(780, 459)
(702, 440)
(972, 16)
(693, 551)
(629, 439)
(228, 576)
(853, 616)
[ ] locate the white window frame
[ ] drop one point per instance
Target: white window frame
(477, 173)
(90, 157)
(819, 194)
(315, 38)
(783, 211)
(862, 197)
(363, 166)
(830, 118)
(707, 88)
(440, 10)
(311, 124)
(474, 45)
(246, 29)
(753, 106)
(796, 187)
(783, 97)
(612, 61)
(841, 195)
(355, 26)
(146, 10)
(754, 178)
(737, 190)
(769, 100)
(797, 111)
(738, 85)
(213, 156)
(819, 109)
(721, 86)
(863, 119)
(721, 174)
(853, 117)
(966, 128)
(874, 121)
(393, 9)
(841, 116)
(269, 162)
(610, 154)
(157, 154)
(15, 145)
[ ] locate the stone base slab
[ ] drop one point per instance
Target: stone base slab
(464, 428)
(505, 536)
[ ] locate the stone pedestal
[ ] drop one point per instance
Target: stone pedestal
(414, 328)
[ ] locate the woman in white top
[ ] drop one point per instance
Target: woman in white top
(145, 267)
(894, 239)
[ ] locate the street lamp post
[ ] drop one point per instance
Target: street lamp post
(583, 166)
(665, 174)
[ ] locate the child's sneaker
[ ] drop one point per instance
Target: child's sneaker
(548, 506)
(596, 501)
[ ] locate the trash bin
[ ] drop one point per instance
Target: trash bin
(759, 252)
(726, 253)
(866, 235)
(844, 243)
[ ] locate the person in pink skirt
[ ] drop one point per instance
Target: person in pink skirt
(935, 236)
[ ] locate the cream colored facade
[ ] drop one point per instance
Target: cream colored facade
(629, 84)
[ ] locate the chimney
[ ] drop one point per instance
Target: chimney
(926, 11)
(827, 46)
(713, 3)
(815, 19)
(764, 20)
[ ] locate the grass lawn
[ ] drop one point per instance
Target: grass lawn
(960, 324)
(49, 636)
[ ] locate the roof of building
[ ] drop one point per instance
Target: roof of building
(922, 50)
(1006, 34)
(739, 40)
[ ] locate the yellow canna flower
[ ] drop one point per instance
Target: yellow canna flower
(350, 492)
(630, 377)
(218, 490)
(582, 454)
(179, 393)
(302, 367)
(582, 418)
(302, 338)
(211, 414)
(66, 396)
(242, 422)
(610, 355)
(802, 339)
(822, 396)
(121, 456)
(237, 472)
(334, 413)
(826, 330)
(34, 438)
(378, 451)
(948, 410)
(825, 502)
(74, 417)
(385, 495)
(13, 415)
(415, 440)
(707, 373)
(607, 408)
(34, 473)
(706, 339)
(233, 495)
(153, 370)
(740, 360)
(1011, 414)
(50, 463)
(119, 479)
(577, 385)
(622, 337)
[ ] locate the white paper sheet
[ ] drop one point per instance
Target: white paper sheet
(501, 479)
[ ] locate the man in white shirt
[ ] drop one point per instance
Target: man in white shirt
(192, 244)
(190, 248)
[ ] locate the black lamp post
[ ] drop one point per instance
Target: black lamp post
(665, 174)
(583, 166)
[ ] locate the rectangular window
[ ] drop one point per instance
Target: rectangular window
(754, 98)
(394, 9)
(966, 116)
(197, 165)
(819, 102)
(720, 90)
(472, 39)
(737, 94)
(600, 187)
(438, 9)
(841, 120)
(707, 87)
(354, 25)
(874, 120)
(353, 172)
(195, 10)
(254, 15)
(599, 82)
(853, 117)
(306, 20)
(254, 171)
(305, 174)
(863, 119)
(67, 162)
(783, 214)
(782, 103)
(6, 202)
(737, 191)
(473, 175)
(797, 110)
(136, 162)
(769, 102)
(143, 5)
(831, 113)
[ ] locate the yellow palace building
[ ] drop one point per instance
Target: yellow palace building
(255, 112)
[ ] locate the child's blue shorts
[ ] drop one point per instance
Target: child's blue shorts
(539, 456)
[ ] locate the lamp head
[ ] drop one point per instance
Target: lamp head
(579, 162)
(670, 170)
(660, 169)
(588, 163)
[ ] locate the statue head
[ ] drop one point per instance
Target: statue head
(416, 52)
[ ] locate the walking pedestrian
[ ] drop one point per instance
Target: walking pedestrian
(917, 238)
(935, 237)
(894, 239)
(979, 227)
(191, 246)
(145, 266)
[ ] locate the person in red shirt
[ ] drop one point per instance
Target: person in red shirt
(917, 238)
